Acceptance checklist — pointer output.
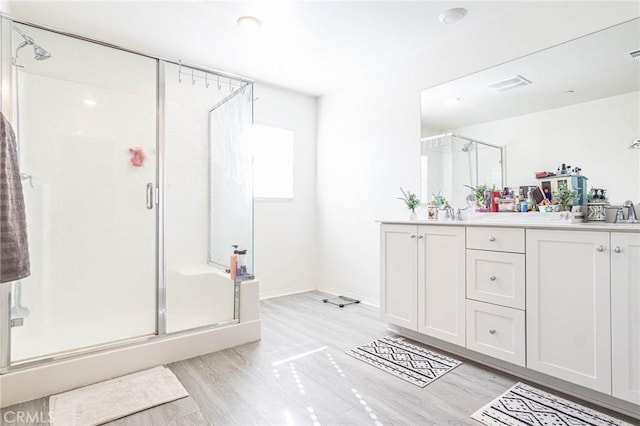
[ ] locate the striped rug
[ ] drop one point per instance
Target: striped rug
(409, 362)
(524, 405)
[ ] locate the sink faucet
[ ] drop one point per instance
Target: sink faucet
(449, 212)
(632, 217)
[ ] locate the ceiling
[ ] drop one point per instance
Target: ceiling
(313, 47)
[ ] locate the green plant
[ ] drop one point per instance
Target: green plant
(410, 199)
(565, 197)
(478, 193)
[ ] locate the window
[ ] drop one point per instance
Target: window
(272, 162)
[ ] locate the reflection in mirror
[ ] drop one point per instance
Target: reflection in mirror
(576, 103)
(451, 163)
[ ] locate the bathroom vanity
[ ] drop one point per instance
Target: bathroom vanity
(553, 302)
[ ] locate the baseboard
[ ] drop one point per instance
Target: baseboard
(338, 292)
(283, 292)
(25, 385)
(598, 398)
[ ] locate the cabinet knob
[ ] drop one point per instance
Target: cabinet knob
(492, 331)
(412, 236)
(492, 239)
(420, 237)
(492, 277)
(600, 248)
(617, 249)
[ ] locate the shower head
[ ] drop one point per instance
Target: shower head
(39, 52)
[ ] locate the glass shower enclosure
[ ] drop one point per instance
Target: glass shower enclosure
(450, 164)
(118, 176)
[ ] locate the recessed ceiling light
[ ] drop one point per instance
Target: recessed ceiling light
(249, 23)
(451, 16)
(89, 102)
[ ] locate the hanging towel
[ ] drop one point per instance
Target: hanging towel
(14, 251)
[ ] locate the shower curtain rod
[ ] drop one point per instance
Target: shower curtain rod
(454, 135)
(209, 78)
(126, 49)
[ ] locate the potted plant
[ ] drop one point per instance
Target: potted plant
(565, 197)
(411, 200)
(480, 195)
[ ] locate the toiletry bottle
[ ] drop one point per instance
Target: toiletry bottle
(495, 197)
(530, 204)
(242, 262)
(233, 262)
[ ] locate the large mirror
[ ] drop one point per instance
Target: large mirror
(577, 103)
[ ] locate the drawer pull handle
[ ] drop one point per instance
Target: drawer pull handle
(617, 250)
(492, 331)
(492, 277)
(412, 236)
(492, 239)
(600, 248)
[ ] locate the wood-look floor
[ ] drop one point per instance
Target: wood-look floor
(299, 374)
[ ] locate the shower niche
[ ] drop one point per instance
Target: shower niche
(451, 163)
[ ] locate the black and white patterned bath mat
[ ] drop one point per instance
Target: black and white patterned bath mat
(525, 405)
(409, 362)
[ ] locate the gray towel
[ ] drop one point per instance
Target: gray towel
(14, 251)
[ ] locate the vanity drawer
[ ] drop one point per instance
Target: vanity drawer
(496, 331)
(497, 239)
(496, 277)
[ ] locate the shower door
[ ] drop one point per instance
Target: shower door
(86, 125)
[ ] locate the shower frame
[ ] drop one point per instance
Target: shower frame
(450, 136)
(6, 106)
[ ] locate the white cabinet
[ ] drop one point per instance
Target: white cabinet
(422, 278)
(568, 307)
(399, 274)
(496, 292)
(565, 303)
(625, 316)
(441, 282)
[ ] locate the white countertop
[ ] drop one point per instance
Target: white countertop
(524, 220)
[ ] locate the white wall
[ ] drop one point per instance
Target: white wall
(5, 7)
(592, 135)
(368, 135)
(285, 230)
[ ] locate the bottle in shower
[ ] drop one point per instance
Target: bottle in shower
(233, 262)
(242, 262)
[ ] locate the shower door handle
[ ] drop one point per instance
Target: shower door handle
(149, 196)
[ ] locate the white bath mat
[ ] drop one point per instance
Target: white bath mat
(524, 405)
(110, 400)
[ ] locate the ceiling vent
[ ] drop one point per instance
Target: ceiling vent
(634, 55)
(509, 83)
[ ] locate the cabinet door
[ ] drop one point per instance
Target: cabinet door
(568, 310)
(625, 316)
(399, 274)
(441, 282)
